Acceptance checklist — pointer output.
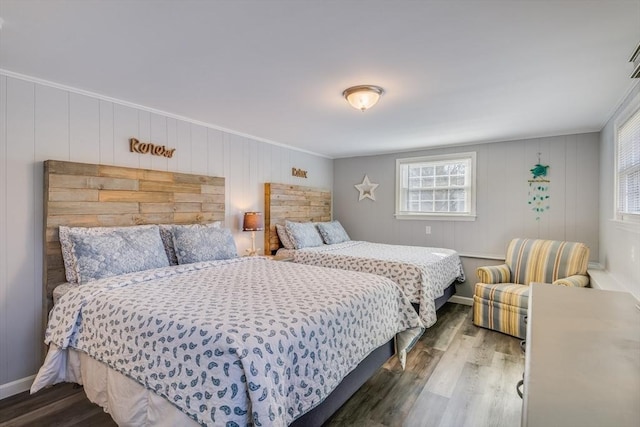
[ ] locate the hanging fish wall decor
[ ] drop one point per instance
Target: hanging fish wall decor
(539, 189)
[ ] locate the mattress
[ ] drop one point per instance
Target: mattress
(422, 273)
(240, 341)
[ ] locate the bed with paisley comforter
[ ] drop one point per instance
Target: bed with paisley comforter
(244, 341)
(298, 224)
(426, 275)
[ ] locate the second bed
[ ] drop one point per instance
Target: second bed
(426, 275)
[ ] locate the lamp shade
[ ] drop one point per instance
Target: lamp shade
(252, 221)
(363, 97)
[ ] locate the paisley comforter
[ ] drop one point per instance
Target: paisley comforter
(422, 273)
(246, 341)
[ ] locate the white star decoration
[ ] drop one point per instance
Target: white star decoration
(366, 189)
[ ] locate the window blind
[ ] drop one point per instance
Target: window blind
(628, 169)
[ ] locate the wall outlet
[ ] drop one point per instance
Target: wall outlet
(427, 229)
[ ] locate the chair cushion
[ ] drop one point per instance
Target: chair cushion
(500, 317)
(536, 260)
(505, 293)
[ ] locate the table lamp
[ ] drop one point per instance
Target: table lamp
(253, 222)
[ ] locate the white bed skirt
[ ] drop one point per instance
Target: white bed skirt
(128, 402)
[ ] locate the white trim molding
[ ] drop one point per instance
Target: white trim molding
(151, 110)
(15, 387)
(481, 256)
(604, 280)
(461, 300)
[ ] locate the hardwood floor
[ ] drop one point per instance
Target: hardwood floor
(63, 405)
(457, 375)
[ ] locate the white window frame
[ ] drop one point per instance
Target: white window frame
(624, 218)
(438, 216)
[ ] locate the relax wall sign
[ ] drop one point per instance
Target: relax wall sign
(300, 173)
(136, 146)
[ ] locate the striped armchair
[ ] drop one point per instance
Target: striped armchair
(501, 298)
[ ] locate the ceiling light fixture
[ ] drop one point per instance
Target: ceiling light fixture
(363, 97)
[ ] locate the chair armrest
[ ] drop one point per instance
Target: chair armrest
(577, 280)
(494, 274)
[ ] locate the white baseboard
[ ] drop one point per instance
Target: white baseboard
(15, 387)
(481, 256)
(461, 300)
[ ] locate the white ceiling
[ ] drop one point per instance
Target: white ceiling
(454, 72)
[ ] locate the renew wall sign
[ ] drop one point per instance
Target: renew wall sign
(136, 146)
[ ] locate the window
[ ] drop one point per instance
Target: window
(436, 187)
(628, 168)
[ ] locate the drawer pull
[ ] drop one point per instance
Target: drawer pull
(519, 388)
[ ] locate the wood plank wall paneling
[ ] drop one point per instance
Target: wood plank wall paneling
(79, 194)
(295, 203)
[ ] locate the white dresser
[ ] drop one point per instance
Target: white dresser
(582, 362)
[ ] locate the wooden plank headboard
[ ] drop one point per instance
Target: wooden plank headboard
(86, 195)
(295, 203)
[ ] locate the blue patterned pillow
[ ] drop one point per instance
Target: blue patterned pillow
(283, 235)
(332, 232)
(303, 234)
(69, 257)
(167, 237)
(118, 252)
(203, 244)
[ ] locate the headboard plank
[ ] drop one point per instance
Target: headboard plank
(295, 203)
(138, 196)
(88, 195)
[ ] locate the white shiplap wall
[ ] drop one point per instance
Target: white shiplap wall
(40, 122)
(502, 194)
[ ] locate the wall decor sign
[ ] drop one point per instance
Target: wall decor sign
(136, 146)
(539, 189)
(366, 189)
(300, 173)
